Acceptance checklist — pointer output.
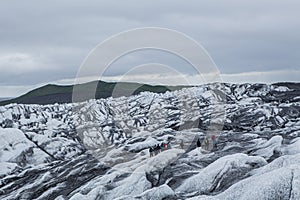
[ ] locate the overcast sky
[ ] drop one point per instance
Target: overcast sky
(46, 41)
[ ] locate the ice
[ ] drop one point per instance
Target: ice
(7, 168)
(163, 159)
(293, 148)
(210, 177)
(282, 89)
(12, 144)
(92, 195)
(135, 184)
(266, 150)
(160, 192)
(283, 161)
(149, 142)
(282, 183)
(99, 149)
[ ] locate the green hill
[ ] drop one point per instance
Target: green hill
(50, 94)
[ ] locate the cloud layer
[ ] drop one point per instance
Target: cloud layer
(168, 79)
(45, 41)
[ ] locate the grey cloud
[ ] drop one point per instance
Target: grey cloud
(239, 35)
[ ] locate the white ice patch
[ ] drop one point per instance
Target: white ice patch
(13, 142)
(283, 161)
(210, 175)
(293, 148)
(7, 168)
(160, 192)
(266, 150)
(276, 184)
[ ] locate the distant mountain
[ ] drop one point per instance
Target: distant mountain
(5, 98)
(50, 94)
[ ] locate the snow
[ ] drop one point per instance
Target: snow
(12, 144)
(293, 148)
(283, 161)
(48, 146)
(198, 152)
(163, 159)
(205, 180)
(275, 184)
(149, 142)
(7, 168)
(160, 192)
(266, 150)
(282, 89)
(135, 184)
(93, 194)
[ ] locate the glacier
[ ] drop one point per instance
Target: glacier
(99, 149)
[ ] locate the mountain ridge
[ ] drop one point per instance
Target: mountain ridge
(52, 93)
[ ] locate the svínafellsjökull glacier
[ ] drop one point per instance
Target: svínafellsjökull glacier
(99, 149)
